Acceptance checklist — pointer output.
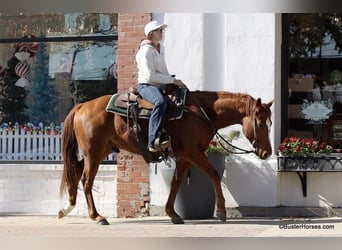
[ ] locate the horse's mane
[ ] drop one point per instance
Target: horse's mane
(221, 99)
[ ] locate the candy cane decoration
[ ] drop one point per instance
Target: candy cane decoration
(22, 69)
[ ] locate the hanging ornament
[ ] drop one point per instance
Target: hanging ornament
(22, 82)
(22, 56)
(23, 47)
(33, 48)
(23, 52)
(22, 69)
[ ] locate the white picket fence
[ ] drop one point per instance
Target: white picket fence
(22, 145)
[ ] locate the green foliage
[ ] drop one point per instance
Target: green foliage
(222, 145)
(42, 107)
(13, 98)
(307, 32)
(303, 146)
(335, 77)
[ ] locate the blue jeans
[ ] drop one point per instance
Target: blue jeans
(153, 95)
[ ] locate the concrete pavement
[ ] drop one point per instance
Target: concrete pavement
(76, 226)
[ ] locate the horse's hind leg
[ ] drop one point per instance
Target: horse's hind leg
(89, 173)
(181, 169)
(72, 191)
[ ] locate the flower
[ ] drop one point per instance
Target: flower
(303, 146)
(220, 145)
(31, 128)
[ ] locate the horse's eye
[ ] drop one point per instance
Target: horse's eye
(259, 124)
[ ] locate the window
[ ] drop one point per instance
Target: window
(312, 79)
(48, 63)
(71, 59)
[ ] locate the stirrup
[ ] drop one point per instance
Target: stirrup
(153, 149)
(162, 144)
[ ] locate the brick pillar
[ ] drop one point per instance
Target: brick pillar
(133, 174)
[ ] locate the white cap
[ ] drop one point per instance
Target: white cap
(153, 25)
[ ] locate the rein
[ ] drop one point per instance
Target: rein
(242, 151)
(219, 136)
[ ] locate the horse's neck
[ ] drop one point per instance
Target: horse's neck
(231, 108)
(223, 108)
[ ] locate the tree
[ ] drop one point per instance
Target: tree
(307, 32)
(43, 93)
(13, 98)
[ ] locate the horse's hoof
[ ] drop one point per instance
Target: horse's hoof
(221, 216)
(60, 214)
(177, 220)
(103, 222)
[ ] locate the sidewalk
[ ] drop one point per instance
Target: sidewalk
(72, 226)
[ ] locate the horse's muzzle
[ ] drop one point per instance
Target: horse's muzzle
(263, 154)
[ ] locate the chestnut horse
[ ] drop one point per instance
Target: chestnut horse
(97, 133)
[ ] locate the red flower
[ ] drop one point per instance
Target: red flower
(303, 146)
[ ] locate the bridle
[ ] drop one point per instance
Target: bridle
(254, 142)
(220, 138)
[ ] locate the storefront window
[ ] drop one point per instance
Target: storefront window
(314, 76)
(49, 62)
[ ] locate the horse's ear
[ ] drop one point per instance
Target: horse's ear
(258, 102)
(269, 104)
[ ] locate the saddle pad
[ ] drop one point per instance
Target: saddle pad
(175, 111)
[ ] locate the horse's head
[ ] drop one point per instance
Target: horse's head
(256, 127)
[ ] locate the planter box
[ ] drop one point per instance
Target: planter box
(303, 163)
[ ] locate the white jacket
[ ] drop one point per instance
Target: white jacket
(151, 66)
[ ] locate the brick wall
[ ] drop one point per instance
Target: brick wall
(132, 171)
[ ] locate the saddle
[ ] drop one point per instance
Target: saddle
(120, 104)
(132, 105)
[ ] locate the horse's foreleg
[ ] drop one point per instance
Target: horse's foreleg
(203, 163)
(181, 169)
(90, 171)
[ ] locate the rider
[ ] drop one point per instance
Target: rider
(152, 75)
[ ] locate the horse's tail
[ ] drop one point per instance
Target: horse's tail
(72, 166)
